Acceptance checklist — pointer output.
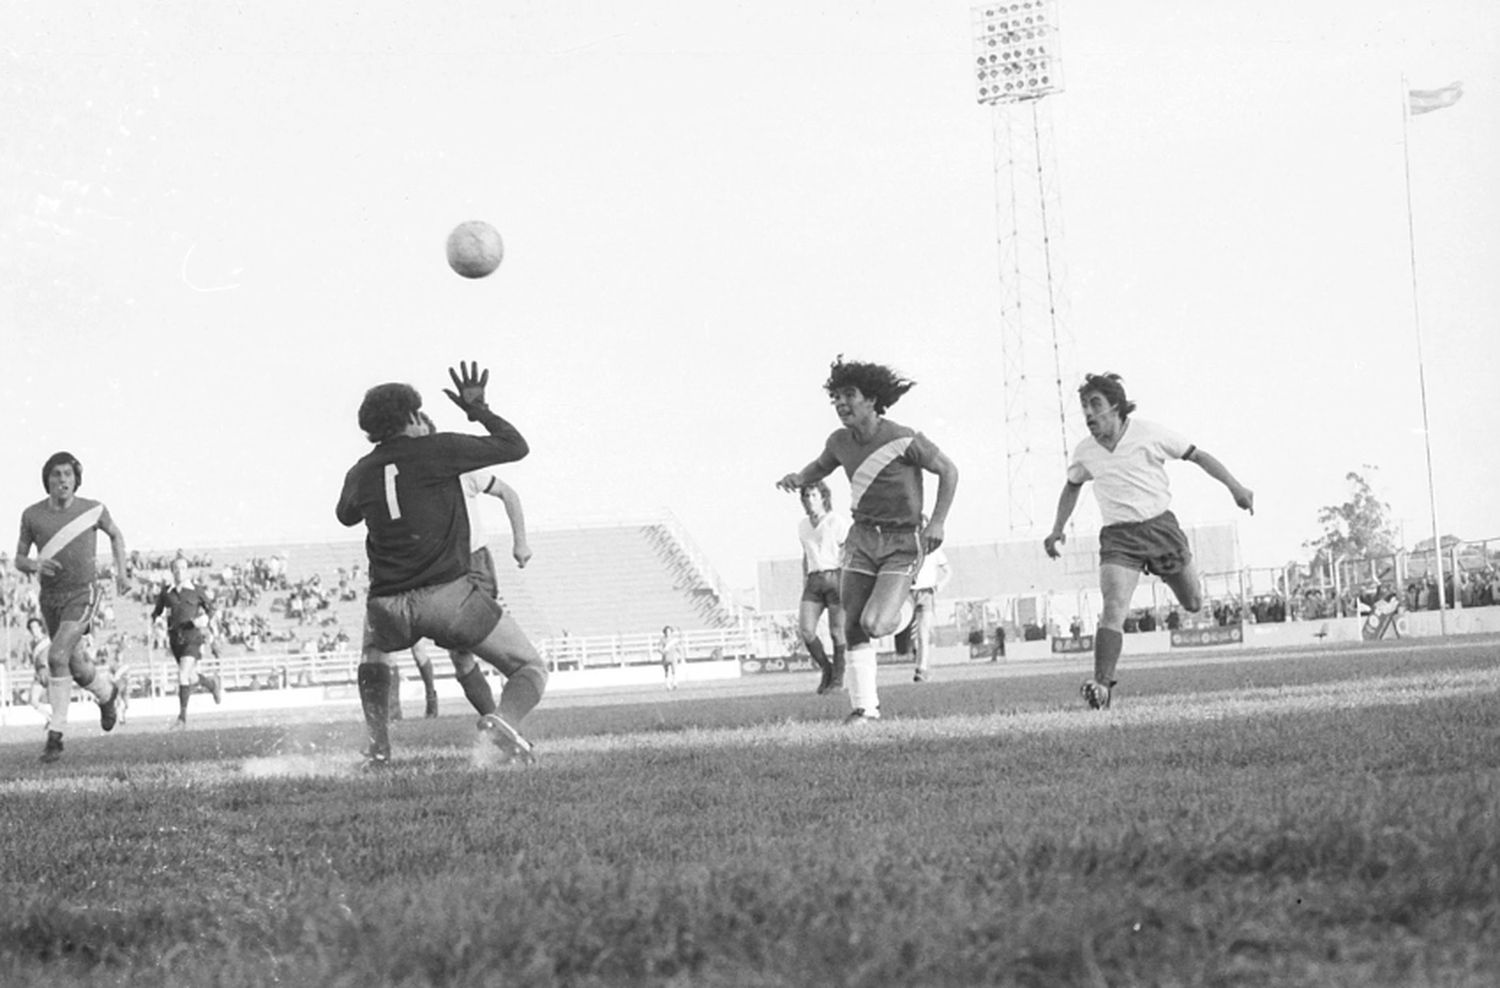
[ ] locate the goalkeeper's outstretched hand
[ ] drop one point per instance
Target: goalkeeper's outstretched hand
(470, 383)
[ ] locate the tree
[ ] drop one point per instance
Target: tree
(1360, 528)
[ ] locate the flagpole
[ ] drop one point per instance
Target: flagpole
(1416, 319)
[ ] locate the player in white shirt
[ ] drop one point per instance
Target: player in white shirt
(1126, 459)
(822, 535)
(916, 638)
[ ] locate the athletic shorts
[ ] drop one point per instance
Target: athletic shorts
(821, 587)
(878, 550)
(188, 641)
(1156, 545)
(456, 615)
(67, 605)
(482, 571)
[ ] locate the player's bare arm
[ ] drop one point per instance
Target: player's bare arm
(815, 471)
(1243, 496)
(1066, 502)
(520, 547)
(947, 474)
(35, 567)
(117, 549)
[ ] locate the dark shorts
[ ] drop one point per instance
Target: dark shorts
(188, 641)
(876, 550)
(457, 615)
(67, 605)
(821, 587)
(482, 571)
(1156, 545)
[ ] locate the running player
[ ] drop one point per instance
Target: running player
(1126, 459)
(408, 494)
(64, 530)
(822, 533)
(188, 610)
(884, 462)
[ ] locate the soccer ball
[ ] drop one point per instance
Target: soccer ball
(475, 249)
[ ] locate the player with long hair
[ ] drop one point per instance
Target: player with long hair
(884, 462)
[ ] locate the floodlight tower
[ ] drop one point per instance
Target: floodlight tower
(1017, 67)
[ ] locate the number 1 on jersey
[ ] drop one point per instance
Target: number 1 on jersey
(392, 506)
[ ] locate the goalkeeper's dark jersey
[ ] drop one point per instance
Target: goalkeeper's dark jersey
(407, 492)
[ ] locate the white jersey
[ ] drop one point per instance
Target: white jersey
(476, 482)
(823, 545)
(932, 564)
(1130, 481)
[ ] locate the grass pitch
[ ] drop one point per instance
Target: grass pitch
(1328, 820)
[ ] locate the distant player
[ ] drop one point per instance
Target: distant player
(64, 530)
(916, 638)
(36, 651)
(884, 462)
(670, 650)
(188, 610)
(407, 492)
(822, 533)
(1126, 459)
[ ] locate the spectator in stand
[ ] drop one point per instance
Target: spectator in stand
(1147, 622)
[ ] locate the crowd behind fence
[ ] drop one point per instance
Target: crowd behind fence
(271, 631)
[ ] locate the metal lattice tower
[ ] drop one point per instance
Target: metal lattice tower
(1017, 67)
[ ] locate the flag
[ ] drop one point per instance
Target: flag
(1427, 100)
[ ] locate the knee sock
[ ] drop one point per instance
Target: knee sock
(477, 689)
(374, 696)
(183, 692)
(59, 695)
(1107, 645)
(521, 692)
(862, 690)
(819, 656)
(425, 671)
(838, 664)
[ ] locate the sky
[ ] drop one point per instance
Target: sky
(222, 224)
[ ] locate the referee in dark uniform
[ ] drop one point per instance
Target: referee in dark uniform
(188, 610)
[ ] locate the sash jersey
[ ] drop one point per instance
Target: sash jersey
(69, 535)
(885, 474)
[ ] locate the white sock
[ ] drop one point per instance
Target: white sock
(860, 661)
(59, 695)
